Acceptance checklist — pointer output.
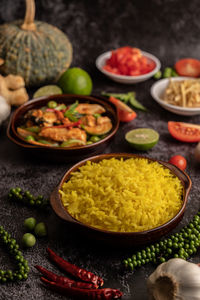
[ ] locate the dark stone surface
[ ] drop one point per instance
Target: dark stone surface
(170, 30)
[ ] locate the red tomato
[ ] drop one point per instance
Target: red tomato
(184, 132)
(179, 161)
(128, 61)
(188, 67)
(125, 113)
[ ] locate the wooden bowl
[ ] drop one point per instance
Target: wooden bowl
(121, 238)
(59, 153)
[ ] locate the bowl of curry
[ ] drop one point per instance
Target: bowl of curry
(67, 126)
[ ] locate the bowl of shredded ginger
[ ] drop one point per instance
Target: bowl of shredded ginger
(180, 95)
(122, 197)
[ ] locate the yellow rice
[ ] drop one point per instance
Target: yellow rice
(123, 195)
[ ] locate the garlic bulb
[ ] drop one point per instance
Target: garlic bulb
(175, 279)
(5, 109)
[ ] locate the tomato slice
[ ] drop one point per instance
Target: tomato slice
(184, 132)
(188, 67)
(125, 113)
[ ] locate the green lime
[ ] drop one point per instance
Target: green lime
(28, 240)
(142, 138)
(40, 229)
(76, 81)
(47, 90)
(30, 223)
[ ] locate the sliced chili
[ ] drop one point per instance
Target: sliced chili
(83, 294)
(64, 280)
(74, 270)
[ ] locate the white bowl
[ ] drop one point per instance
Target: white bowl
(157, 91)
(101, 61)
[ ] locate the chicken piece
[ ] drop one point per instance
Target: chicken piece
(90, 109)
(88, 120)
(47, 117)
(24, 133)
(63, 134)
(103, 120)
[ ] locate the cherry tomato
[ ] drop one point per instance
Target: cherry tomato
(128, 61)
(188, 67)
(125, 113)
(184, 132)
(179, 161)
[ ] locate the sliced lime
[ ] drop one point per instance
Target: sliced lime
(142, 138)
(47, 90)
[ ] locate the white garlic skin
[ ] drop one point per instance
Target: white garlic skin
(5, 109)
(183, 281)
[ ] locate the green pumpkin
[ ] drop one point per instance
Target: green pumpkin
(37, 51)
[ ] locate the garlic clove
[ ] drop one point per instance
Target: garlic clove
(5, 109)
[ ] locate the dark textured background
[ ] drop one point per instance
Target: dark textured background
(167, 28)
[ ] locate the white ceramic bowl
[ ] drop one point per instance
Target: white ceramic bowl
(101, 61)
(157, 91)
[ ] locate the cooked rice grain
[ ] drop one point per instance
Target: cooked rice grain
(123, 195)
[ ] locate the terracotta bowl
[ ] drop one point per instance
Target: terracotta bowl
(121, 238)
(59, 153)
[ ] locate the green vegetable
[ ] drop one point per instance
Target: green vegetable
(135, 103)
(35, 129)
(16, 194)
(123, 97)
(30, 223)
(127, 98)
(28, 240)
(52, 104)
(182, 245)
(89, 143)
(158, 75)
(61, 107)
(174, 74)
(94, 138)
(40, 229)
(167, 72)
(30, 138)
(71, 114)
(22, 268)
(70, 142)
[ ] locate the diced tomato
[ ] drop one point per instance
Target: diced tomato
(184, 132)
(128, 61)
(188, 67)
(125, 113)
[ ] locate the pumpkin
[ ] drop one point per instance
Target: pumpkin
(37, 51)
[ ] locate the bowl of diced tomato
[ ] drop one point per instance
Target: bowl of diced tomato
(128, 65)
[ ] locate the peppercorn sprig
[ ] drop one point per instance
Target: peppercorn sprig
(16, 194)
(22, 268)
(179, 245)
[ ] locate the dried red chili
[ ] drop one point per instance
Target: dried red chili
(83, 294)
(74, 270)
(64, 280)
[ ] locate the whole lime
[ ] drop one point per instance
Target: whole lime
(28, 240)
(30, 223)
(76, 81)
(40, 229)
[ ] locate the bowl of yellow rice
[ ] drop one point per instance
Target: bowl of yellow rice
(121, 197)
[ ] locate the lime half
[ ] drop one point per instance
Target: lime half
(47, 90)
(142, 138)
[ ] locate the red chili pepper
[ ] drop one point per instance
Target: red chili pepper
(74, 270)
(83, 294)
(64, 280)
